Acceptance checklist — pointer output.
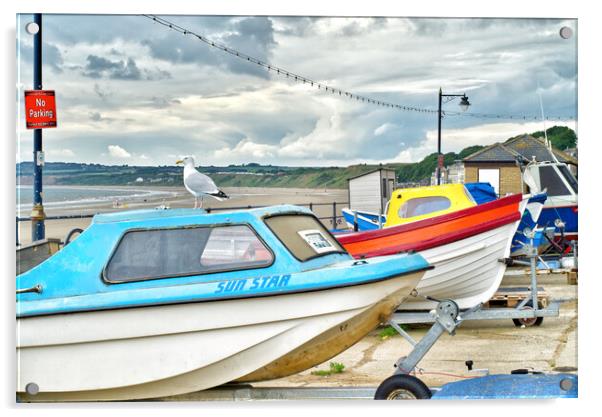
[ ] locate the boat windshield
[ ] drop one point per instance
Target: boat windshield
(552, 181)
(569, 177)
(423, 205)
(303, 235)
(162, 253)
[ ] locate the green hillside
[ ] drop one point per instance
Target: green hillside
(253, 174)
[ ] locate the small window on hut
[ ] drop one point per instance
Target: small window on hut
(162, 253)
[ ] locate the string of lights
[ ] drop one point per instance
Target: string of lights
(507, 116)
(327, 88)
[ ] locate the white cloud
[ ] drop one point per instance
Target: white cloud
(382, 129)
(454, 140)
(117, 151)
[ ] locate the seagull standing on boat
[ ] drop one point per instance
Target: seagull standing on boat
(199, 184)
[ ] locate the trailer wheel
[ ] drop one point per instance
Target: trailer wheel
(528, 322)
(402, 387)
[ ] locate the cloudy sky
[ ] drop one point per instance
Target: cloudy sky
(130, 91)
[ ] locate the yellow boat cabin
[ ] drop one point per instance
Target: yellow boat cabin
(411, 204)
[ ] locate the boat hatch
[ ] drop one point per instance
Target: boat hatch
(555, 181)
(161, 253)
(303, 235)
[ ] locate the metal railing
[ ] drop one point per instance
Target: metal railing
(333, 220)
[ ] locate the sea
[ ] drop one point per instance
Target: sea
(59, 196)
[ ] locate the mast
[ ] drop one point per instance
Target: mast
(545, 131)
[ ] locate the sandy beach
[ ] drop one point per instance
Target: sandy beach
(178, 197)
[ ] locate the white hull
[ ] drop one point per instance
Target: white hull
(466, 271)
(167, 350)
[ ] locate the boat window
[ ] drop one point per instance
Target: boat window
(552, 182)
(423, 205)
(469, 196)
(161, 253)
(568, 176)
(303, 235)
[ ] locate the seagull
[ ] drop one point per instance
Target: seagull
(199, 184)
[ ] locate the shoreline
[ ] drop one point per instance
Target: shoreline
(178, 197)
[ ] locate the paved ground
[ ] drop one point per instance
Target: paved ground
(495, 345)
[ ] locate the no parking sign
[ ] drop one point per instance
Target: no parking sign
(40, 109)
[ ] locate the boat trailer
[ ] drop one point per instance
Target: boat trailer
(529, 311)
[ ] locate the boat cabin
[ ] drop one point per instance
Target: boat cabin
(556, 179)
(411, 204)
(168, 250)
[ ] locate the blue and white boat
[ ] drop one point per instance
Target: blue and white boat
(154, 303)
(365, 220)
(561, 207)
(483, 192)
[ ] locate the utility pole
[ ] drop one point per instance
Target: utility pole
(37, 211)
(439, 155)
(464, 104)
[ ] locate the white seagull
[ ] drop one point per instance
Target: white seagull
(199, 184)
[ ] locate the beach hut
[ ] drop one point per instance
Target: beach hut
(372, 190)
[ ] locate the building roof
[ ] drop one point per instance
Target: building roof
(371, 172)
(524, 146)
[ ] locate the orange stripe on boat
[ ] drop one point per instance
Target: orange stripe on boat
(435, 231)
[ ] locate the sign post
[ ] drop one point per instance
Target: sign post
(38, 231)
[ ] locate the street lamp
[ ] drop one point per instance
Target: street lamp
(464, 104)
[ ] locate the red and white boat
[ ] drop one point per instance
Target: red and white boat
(465, 247)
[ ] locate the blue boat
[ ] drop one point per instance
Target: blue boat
(481, 192)
(513, 386)
(153, 303)
(561, 208)
(558, 215)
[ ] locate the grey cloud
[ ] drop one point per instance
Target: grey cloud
(100, 93)
(251, 35)
(163, 102)
(355, 29)
(97, 117)
(51, 55)
(156, 74)
(296, 26)
(98, 67)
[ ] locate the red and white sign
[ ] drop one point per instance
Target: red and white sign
(40, 109)
(440, 161)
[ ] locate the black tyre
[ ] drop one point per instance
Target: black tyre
(71, 234)
(530, 321)
(402, 387)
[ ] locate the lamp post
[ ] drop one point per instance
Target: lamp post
(464, 104)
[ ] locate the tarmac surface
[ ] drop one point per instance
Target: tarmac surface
(495, 345)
